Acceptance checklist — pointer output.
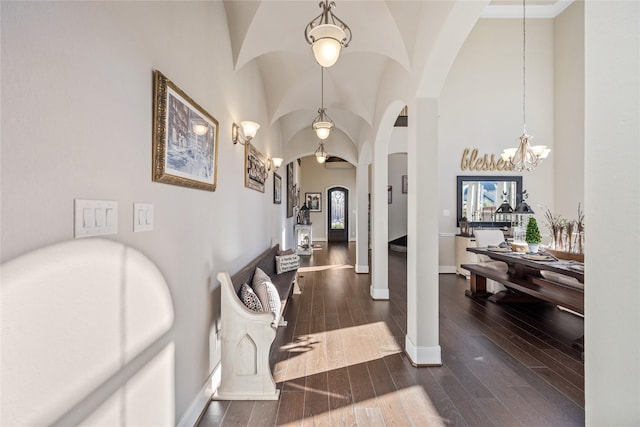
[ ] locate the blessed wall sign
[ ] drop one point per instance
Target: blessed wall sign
(488, 162)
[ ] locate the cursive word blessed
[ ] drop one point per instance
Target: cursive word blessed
(471, 161)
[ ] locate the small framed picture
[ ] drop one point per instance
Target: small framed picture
(255, 168)
(277, 189)
(313, 201)
(389, 194)
(404, 184)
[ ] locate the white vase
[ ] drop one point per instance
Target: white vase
(533, 247)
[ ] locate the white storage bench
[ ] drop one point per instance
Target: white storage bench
(247, 335)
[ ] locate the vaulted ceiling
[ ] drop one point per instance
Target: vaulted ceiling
(400, 50)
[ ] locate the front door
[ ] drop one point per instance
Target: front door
(338, 217)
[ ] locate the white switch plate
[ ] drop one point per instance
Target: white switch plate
(95, 217)
(446, 212)
(142, 217)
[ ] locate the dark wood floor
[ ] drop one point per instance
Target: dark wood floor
(339, 362)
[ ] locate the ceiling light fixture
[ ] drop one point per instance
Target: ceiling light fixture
(322, 124)
(249, 129)
(327, 34)
(525, 156)
(321, 153)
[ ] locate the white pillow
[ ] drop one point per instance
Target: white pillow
(287, 263)
(267, 293)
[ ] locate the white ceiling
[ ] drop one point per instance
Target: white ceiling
(399, 48)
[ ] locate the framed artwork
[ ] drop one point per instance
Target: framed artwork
(185, 138)
(290, 190)
(389, 194)
(277, 189)
(404, 184)
(313, 201)
(255, 168)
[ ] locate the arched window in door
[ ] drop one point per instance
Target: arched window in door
(338, 217)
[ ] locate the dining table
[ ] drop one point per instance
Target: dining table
(530, 278)
(539, 275)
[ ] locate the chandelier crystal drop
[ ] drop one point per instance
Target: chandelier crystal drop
(327, 34)
(525, 156)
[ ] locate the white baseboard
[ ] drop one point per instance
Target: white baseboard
(379, 294)
(362, 268)
(200, 403)
(423, 356)
(319, 239)
(446, 269)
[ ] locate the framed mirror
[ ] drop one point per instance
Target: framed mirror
(478, 197)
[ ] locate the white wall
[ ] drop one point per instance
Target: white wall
(568, 150)
(398, 206)
(481, 107)
(316, 178)
(76, 123)
(612, 133)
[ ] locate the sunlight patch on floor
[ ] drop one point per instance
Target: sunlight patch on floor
(324, 351)
(315, 268)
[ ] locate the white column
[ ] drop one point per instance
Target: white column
(422, 340)
(612, 153)
(380, 222)
(362, 219)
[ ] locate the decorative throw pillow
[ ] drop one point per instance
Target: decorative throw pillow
(267, 293)
(287, 252)
(287, 263)
(249, 298)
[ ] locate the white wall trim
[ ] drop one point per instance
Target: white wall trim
(319, 239)
(362, 269)
(533, 11)
(201, 401)
(430, 356)
(446, 269)
(379, 294)
(447, 234)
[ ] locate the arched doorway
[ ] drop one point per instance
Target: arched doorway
(338, 217)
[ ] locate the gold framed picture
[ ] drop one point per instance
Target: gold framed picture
(185, 138)
(255, 168)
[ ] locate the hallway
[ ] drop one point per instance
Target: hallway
(339, 362)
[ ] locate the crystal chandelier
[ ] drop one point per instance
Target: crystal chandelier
(525, 156)
(321, 153)
(327, 34)
(322, 124)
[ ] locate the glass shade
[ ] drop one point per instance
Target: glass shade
(323, 129)
(327, 43)
(249, 128)
(538, 149)
(277, 162)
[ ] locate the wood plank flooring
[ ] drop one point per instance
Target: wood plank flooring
(339, 362)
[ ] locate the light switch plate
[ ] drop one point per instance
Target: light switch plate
(95, 217)
(142, 217)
